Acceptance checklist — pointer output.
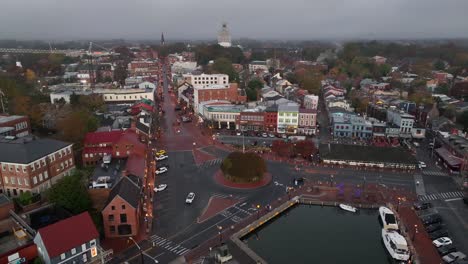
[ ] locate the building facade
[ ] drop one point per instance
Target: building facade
(72, 240)
(251, 121)
(271, 118)
(288, 118)
(228, 92)
(205, 80)
(18, 126)
(307, 122)
(224, 37)
(311, 101)
(34, 165)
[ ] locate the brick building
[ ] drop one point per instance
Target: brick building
(307, 121)
(229, 92)
(31, 164)
(14, 125)
(118, 143)
(251, 121)
(121, 214)
(144, 68)
(271, 118)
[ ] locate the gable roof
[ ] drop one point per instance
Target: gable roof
(102, 137)
(26, 150)
(68, 233)
(126, 189)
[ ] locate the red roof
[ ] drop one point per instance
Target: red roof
(107, 150)
(68, 233)
(143, 106)
(103, 137)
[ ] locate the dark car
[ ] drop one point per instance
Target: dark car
(446, 249)
(298, 181)
(433, 227)
(431, 219)
(422, 205)
(439, 233)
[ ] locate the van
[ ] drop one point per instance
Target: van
(96, 185)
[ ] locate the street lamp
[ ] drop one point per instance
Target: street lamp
(399, 202)
(415, 231)
(258, 211)
(139, 248)
(220, 228)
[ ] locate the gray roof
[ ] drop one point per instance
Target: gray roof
(28, 149)
(127, 189)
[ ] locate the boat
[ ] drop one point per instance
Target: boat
(395, 244)
(348, 208)
(388, 218)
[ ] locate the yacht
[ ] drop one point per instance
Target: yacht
(388, 218)
(348, 208)
(395, 244)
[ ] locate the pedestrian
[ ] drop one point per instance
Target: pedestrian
(417, 183)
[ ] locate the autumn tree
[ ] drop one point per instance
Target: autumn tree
(74, 127)
(305, 148)
(282, 148)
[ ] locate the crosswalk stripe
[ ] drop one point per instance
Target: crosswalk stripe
(184, 251)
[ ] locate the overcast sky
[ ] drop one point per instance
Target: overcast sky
(258, 19)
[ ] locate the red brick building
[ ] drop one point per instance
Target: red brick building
(251, 121)
(271, 118)
(121, 214)
(144, 68)
(31, 164)
(229, 92)
(14, 125)
(117, 143)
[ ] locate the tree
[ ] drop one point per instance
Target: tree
(255, 84)
(442, 89)
(251, 94)
(120, 73)
(30, 76)
(463, 120)
(74, 127)
(282, 148)
(71, 193)
(439, 65)
(224, 65)
(74, 99)
(305, 148)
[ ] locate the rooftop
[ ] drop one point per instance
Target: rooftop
(64, 235)
(113, 170)
(28, 149)
(226, 108)
(128, 190)
(9, 118)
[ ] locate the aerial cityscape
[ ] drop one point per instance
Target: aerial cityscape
(203, 138)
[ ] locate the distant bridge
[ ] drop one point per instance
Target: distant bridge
(41, 51)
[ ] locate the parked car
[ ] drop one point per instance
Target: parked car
(431, 219)
(284, 136)
(439, 233)
(160, 152)
(271, 135)
(239, 133)
(264, 134)
(444, 250)
(160, 187)
(161, 170)
(161, 157)
(422, 205)
(433, 227)
(454, 256)
(442, 241)
(190, 198)
(421, 164)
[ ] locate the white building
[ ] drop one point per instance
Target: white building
(222, 115)
(147, 85)
(224, 37)
(288, 118)
(205, 80)
(256, 65)
(402, 120)
(311, 101)
(109, 95)
(183, 66)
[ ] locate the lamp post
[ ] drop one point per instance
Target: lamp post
(415, 232)
(139, 248)
(258, 211)
(220, 228)
(399, 202)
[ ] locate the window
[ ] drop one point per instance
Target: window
(24, 169)
(34, 180)
(73, 251)
(62, 256)
(46, 175)
(112, 207)
(26, 182)
(19, 181)
(13, 180)
(5, 179)
(92, 243)
(123, 206)
(123, 218)
(83, 247)
(17, 168)
(3, 167)
(111, 218)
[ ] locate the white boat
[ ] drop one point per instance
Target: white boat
(388, 218)
(395, 244)
(348, 208)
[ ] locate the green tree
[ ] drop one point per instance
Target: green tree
(439, 65)
(74, 99)
(251, 94)
(463, 120)
(224, 65)
(71, 193)
(255, 84)
(442, 89)
(450, 112)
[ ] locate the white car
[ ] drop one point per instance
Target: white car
(161, 170)
(264, 135)
(162, 157)
(452, 257)
(161, 187)
(422, 165)
(442, 241)
(190, 198)
(271, 135)
(239, 133)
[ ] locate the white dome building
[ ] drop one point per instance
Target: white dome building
(224, 37)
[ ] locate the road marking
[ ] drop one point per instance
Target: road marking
(453, 199)
(183, 252)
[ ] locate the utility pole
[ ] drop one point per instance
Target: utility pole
(1, 101)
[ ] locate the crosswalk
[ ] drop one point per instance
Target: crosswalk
(441, 196)
(168, 245)
(434, 173)
(209, 163)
